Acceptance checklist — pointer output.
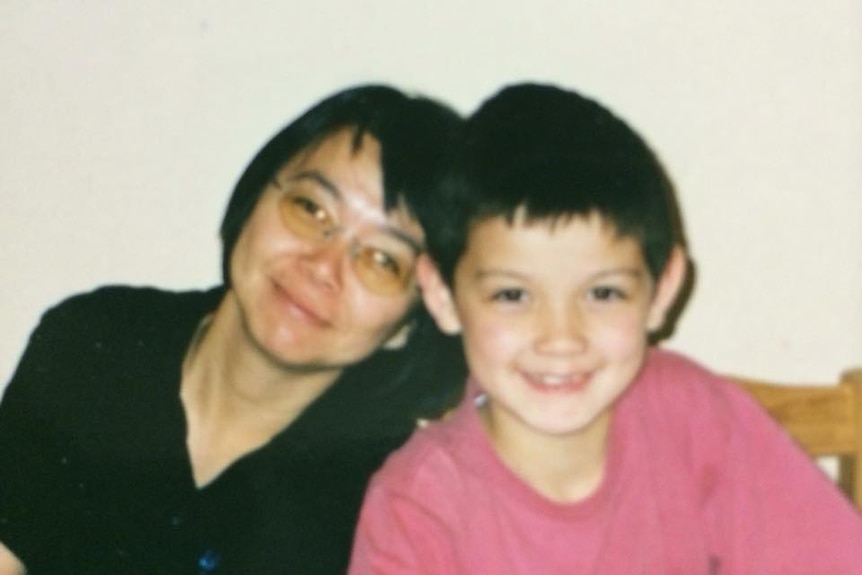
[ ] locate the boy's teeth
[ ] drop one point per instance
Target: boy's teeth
(553, 379)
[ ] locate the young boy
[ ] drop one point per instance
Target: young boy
(580, 449)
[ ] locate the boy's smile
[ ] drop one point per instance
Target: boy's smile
(554, 318)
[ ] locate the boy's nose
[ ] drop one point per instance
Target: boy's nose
(562, 331)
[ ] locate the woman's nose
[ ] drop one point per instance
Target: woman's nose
(324, 261)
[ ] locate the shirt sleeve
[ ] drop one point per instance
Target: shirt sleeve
(399, 534)
(36, 494)
(774, 510)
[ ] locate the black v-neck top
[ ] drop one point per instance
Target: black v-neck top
(94, 471)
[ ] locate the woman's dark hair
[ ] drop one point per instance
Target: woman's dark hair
(416, 137)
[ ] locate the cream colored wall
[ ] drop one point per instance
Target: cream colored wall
(124, 126)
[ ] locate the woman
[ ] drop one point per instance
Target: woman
(234, 430)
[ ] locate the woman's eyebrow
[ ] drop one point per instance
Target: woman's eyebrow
(320, 179)
(330, 187)
(402, 236)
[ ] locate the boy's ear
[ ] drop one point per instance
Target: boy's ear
(437, 296)
(668, 287)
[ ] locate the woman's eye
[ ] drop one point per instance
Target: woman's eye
(382, 271)
(310, 209)
(386, 262)
(305, 217)
(510, 295)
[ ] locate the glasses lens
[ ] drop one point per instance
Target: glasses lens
(385, 268)
(384, 272)
(304, 212)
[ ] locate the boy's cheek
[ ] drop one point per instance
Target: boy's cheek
(624, 342)
(494, 338)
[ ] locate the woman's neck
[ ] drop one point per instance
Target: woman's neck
(236, 398)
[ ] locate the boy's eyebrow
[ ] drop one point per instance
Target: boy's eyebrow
(637, 272)
(629, 271)
(489, 272)
(330, 187)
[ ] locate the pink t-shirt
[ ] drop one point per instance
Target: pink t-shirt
(698, 480)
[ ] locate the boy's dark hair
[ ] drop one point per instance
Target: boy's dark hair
(556, 155)
(416, 135)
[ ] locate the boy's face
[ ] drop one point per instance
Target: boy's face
(554, 319)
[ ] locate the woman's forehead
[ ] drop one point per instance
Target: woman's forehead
(345, 146)
(347, 169)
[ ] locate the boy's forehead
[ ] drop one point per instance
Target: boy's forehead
(523, 218)
(571, 230)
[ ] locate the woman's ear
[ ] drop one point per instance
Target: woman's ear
(437, 296)
(668, 287)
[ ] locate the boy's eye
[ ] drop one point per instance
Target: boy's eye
(509, 295)
(606, 293)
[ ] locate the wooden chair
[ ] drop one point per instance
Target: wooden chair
(825, 420)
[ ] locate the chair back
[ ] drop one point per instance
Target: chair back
(825, 420)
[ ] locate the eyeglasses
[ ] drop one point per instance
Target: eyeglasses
(383, 262)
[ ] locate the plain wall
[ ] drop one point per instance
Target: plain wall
(125, 126)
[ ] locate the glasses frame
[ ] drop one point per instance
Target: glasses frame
(366, 259)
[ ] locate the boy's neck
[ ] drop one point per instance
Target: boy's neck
(565, 468)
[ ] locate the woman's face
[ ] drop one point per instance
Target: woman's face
(321, 274)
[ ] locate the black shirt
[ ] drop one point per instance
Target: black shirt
(94, 472)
